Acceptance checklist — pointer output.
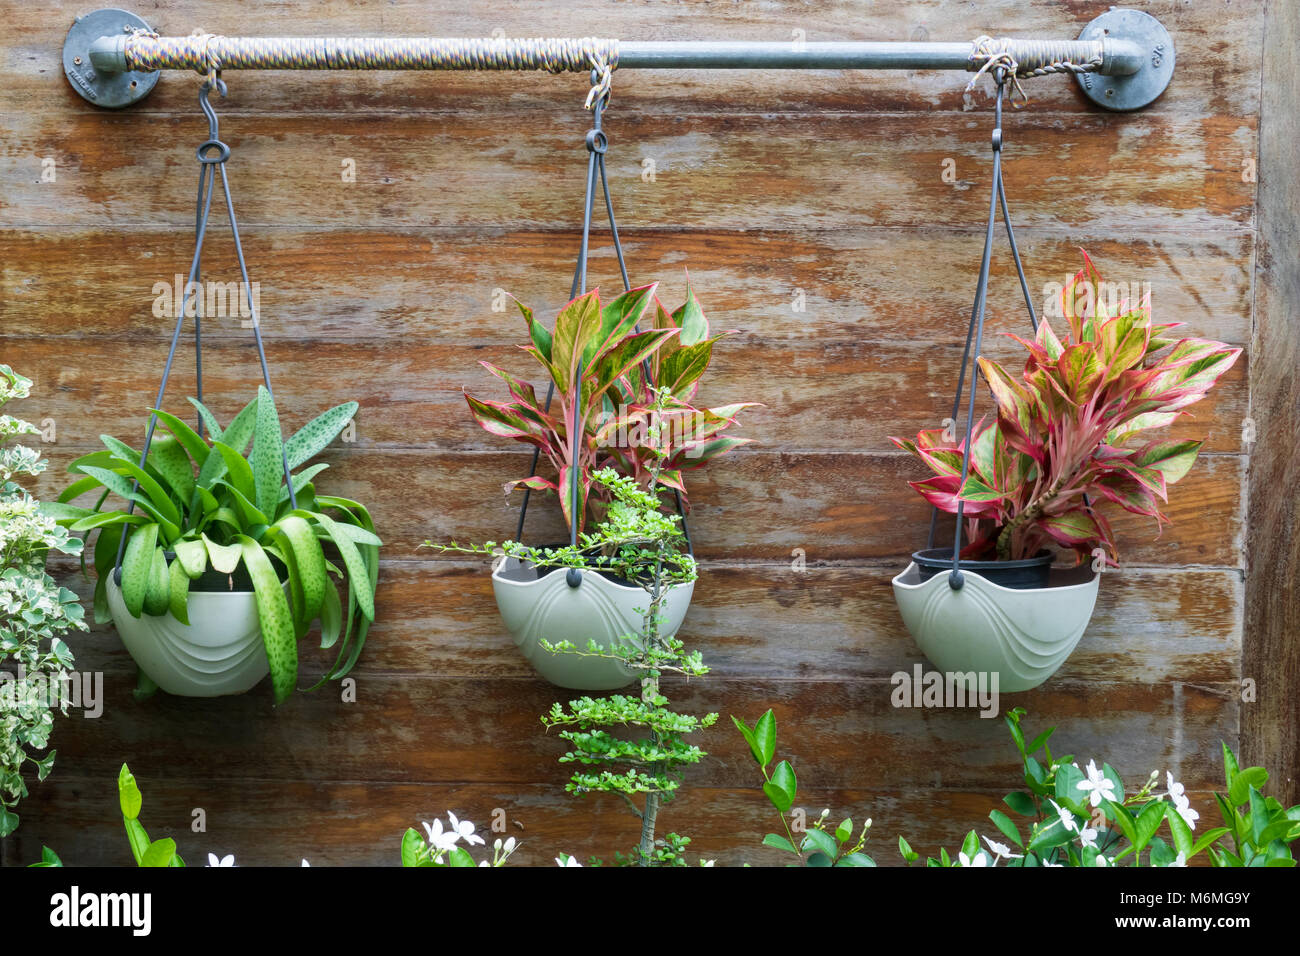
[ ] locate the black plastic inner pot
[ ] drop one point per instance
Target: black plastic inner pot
(607, 573)
(1024, 574)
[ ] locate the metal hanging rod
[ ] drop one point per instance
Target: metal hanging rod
(1123, 59)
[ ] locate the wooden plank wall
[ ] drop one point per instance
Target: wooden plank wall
(825, 186)
(1271, 726)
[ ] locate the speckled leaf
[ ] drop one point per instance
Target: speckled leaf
(312, 438)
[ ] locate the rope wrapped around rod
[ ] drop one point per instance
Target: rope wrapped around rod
(205, 52)
(1026, 58)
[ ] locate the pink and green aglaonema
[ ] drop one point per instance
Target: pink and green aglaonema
(1077, 422)
(598, 362)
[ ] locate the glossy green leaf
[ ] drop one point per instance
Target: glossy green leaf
(781, 788)
(765, 738)
(128, 793)
(778, 842)
(159, 853)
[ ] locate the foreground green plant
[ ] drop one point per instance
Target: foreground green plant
(35, 613)
(1086, 818)
(819, 846)
(441, 847)
(201, 503)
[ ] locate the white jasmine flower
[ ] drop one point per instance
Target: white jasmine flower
(305, 863)
(566, 861)
(441, 841)
(1001, 850)
(1067, 816)
(1097, 785)
(465, 830)
(980, 859)
(1088, 837)
(1102, 861)
(1181, 861)
(1184, 808)
(227, 860)
(1176, 790)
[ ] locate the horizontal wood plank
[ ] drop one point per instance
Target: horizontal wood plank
(730, 172)
(412, 729)
(422, 285)
(815, 396)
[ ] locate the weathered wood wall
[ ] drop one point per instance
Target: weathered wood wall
(826, 185)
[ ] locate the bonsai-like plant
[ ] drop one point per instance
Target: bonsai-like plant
(606, 376)
(202, 503)
(647, 768)
(1073, 430)
(35, 613)
(1086, 818)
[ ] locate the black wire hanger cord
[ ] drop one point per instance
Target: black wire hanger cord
(212, 154)
(597, 143)
(975, 330)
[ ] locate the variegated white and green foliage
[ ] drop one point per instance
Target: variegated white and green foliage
(208, 501)
(35, 613)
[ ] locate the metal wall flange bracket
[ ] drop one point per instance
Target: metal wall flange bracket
(109, 90)
(1136, 90)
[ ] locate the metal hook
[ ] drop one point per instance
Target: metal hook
(205, 151)
(204, 91)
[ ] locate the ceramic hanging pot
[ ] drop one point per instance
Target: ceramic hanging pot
(538, 604)
(1023, 634)
(220, 652)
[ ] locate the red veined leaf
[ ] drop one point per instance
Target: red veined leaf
(1128, 493)
(694, 454)
(536, 482)
(690, 319)
(941, 491)
(975, 491)
(1046, 337)
(1149, 477)
(576, 327)
(1079, 372)
(1173, 459)
(1073, 528)
(617, 320)
(502, 420)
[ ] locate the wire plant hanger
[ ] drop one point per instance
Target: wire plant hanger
(597, 143)
(212, 154)
(1001, 73)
